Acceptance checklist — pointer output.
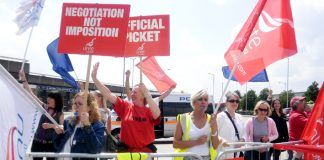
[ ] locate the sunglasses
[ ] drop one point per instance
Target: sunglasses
(263, 110)
(232, 101)
(201, 99)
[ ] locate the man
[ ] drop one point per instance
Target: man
(297, 121)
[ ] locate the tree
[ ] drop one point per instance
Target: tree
(263, 94)
(250, 97)
(238, 93)
(312, 92)
(283, 98)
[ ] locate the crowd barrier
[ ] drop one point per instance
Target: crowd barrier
(30, 155)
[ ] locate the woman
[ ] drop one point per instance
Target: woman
(281, 123)
(84, 133)
(260, 128)
(196, 131)
(104, 111)
(43, 138)
(138, 117)
(231, 124)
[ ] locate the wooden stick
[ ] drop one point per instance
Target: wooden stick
(141, 70)
(86, 89)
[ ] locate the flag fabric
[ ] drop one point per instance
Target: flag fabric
(61, 64)
(313, 134)
(28, 14)
(156, 75)
(260, 77)
(19, 117)
(267, 36)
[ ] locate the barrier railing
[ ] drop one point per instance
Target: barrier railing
(30, 155)
(256, 146)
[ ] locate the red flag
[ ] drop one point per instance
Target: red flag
(313, 133)
(267, 36)
(309, 149)
(156, 75)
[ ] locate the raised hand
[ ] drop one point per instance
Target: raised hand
(84, 119)
(95, 70)
(127, 73)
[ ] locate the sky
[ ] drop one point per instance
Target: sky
(200, 34)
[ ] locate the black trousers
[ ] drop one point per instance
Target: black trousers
(256, 155)
(276, 153)
(41, 147)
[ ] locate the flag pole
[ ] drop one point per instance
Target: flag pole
(86, 89)
(26, 49)
(229, 79)
(123, 78)
(141, 71)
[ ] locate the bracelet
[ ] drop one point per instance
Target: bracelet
(22, 81)
(215, 134)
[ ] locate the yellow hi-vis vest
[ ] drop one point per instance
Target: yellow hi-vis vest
(132, 156)
(184, 120)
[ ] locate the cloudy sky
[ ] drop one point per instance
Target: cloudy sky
(199, 36)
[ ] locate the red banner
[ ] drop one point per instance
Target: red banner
(156, 75)
(98, 29)
(148, 36)
(272, 39)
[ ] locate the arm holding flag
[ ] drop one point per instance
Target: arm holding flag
(166, 93)
(23, 79)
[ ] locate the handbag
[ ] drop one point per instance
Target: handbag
(111, 143)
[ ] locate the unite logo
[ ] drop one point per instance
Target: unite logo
(140, 50)
(268, 24)
(88, 48)
(316, 137)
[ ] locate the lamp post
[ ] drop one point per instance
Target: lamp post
(213, 85)
(286, 87)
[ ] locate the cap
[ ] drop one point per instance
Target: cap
(295, 99)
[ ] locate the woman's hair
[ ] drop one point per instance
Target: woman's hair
(103, 99)
(229, 94)
(58, 101)
(257, 106)
(94, 114)
(197, 96)
(272, 106)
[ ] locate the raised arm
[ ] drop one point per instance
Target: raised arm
(23, 79)
(166, 93)
(152, 105)
(103, 89)
(127, 88)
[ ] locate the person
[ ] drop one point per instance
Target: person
(138, 116)
(297, 121)
(281, 123)
(43, 138)
(231, 124)
(156, 99)
(260, 128)
(196, 131)
(83, 131)
(104, 111)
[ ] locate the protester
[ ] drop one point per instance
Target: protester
(83, 132)
(43, 138)
(196, 131)
(260, 128)
(231, 124)
(281, 123)
(104, 111)
(138, 117)
(297, 121)
(156, 99)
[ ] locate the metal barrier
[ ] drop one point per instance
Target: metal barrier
(254, 147)
(30, 155)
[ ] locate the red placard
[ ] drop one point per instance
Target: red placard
(96, 29)
(148, 36)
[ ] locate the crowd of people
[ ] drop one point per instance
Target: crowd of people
(87, 128)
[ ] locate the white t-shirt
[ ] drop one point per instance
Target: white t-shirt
(227, 131)
(194, 134)
(68, 144)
